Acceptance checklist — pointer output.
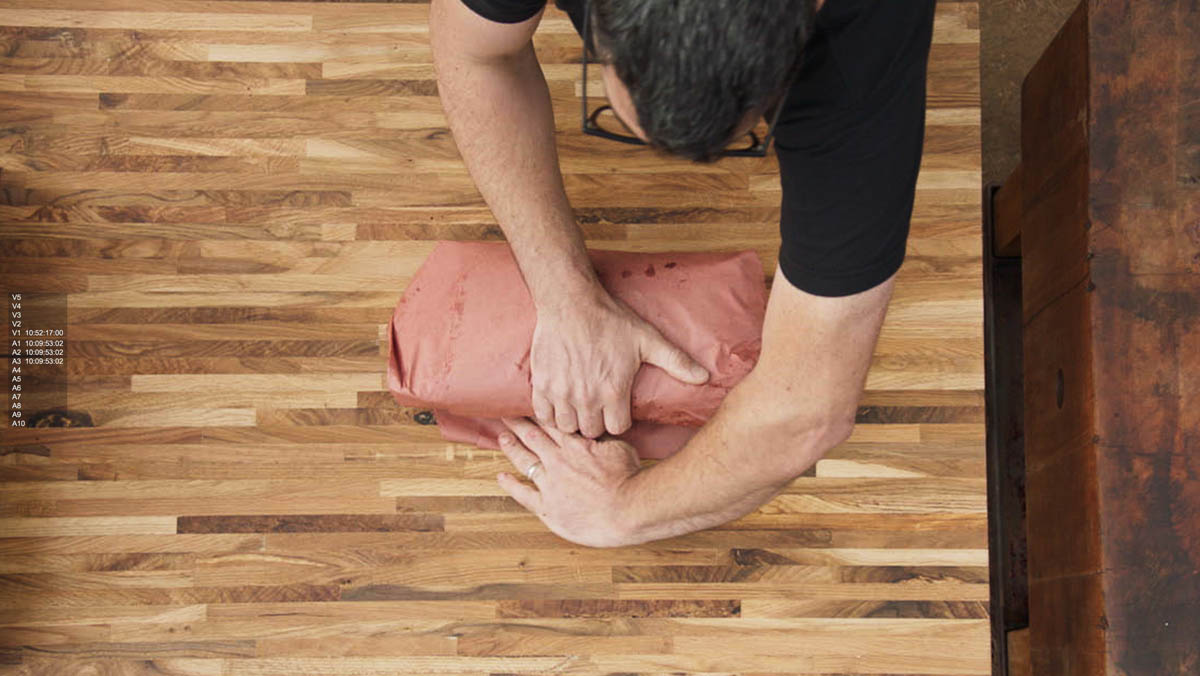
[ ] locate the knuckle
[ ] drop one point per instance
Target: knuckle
(611, 389)
(652, 338)
(618, 429)
(620, 422)
(609, 449)
(585, 403)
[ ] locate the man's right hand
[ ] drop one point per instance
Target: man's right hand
(585, 353)
(583, 361)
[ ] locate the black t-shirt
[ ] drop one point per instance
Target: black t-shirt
(848, 140)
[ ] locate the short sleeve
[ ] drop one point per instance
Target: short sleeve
(505, 11)
(849, 143)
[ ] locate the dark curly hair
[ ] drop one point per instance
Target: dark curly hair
(696, 68)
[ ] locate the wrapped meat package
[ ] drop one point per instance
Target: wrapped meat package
(460, 337)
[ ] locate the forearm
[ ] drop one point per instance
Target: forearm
(502, 120)
(733, 464)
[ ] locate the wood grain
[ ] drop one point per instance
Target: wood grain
(234, 194)
(1111, 228)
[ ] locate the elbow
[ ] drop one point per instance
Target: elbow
(837, 429)
(792, 438)
(803, 441)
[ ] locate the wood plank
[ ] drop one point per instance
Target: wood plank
(1018, 653)
(1109, 193)
(214, 185)
(1145, 206)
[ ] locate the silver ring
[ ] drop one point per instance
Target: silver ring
(532, 468)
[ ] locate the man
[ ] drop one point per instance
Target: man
(689, 76)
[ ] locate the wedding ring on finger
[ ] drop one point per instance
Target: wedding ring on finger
(533, 469)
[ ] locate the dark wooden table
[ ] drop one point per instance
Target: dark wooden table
(1104, 212)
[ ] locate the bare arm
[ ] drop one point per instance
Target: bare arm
(498, 107)
(797, 403)
(587, 346)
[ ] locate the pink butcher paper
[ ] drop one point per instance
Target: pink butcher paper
(460, 336)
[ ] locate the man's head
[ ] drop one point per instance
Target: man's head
(690, 76)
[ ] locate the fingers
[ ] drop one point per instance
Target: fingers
(535, 439)
(611, 413)
(615, 410)
(527, 497)
(564, 417)
(617, 417)
(557, 436)
(591, 421)
(551, 403)
(519, 454)
(543, 410)
(521, 458)
(585, 413)
(679, 364)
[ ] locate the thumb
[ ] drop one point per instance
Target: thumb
(656, 350)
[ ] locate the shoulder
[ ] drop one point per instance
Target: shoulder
(505, 11)
(873, 40)
(458, 31)
(862, 56)
(853, 125)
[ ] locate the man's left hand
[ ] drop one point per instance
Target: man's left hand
(581, 485)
